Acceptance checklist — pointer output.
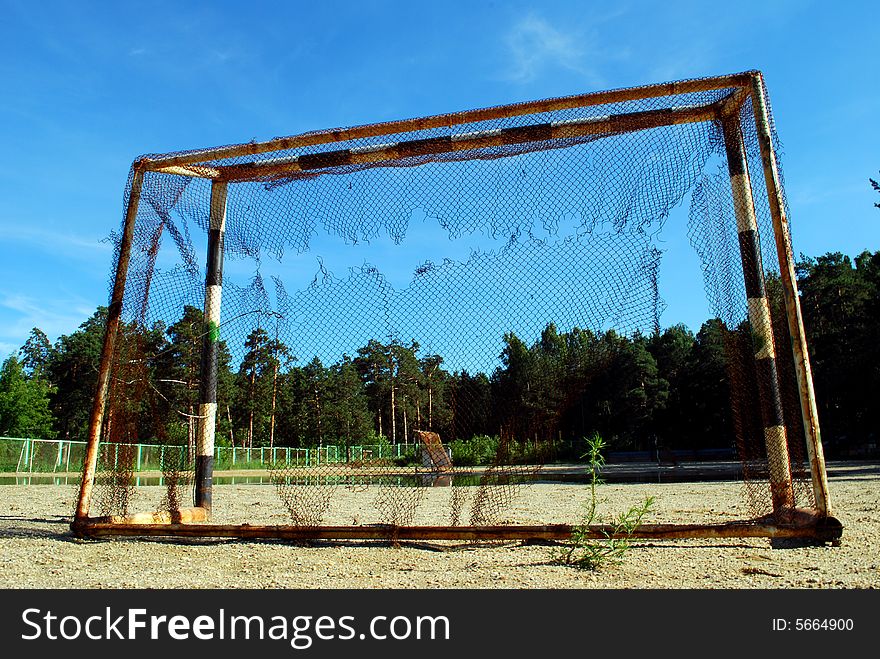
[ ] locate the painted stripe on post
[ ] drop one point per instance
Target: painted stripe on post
(215, 258)
(768, 389)
(751, 264)
(210, 345)
(760, 319)
(776, 436)
(210, 348)
(205, 441)
(762, 328)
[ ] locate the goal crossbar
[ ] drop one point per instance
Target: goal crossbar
(735, 81)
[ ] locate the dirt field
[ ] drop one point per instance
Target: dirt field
(38, 551)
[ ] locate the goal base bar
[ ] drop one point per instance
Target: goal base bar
(823, 529)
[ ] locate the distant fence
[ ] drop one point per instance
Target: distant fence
(21, 455)
(40, 455)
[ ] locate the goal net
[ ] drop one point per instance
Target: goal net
(418, 323)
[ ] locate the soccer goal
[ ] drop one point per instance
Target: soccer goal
(416, 324)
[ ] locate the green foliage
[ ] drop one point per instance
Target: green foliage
(383, 443)
(841, 307)
(696, 401)
(35, 353)
(72, 368)
(479, 450)
(586, 552)
(475, 400)
(24, 403)
(668, 390)
(400, 387)
(257, 384)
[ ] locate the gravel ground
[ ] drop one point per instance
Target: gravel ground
(37, 549)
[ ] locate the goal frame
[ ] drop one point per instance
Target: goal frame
(785, 522)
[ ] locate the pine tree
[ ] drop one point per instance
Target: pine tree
(374, 366)
(36, 352)
(257, 386)
(347, 408)
(73, 369)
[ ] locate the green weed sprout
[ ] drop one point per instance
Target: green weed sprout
(587, 553)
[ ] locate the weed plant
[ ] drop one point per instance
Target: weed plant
(586, 552)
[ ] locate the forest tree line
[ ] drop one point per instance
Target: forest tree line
(668, 389)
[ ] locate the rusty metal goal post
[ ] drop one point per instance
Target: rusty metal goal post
(228, 322)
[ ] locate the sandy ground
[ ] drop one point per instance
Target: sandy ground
(37, 549)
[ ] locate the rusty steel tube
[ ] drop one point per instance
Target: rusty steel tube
(613, 124)
(114, 312)
(826, 529)
(782, 233)
(179, 516)
(452, 119)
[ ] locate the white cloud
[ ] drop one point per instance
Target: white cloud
(60, 310)
(534, 46)
(822, 191)
(21, 313)
(56, 242)
(220, 56)
(7, 350)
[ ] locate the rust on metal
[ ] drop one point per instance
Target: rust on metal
(788, 278)
(192, 171)
(825, 529)
(731, 104)
(191, 522)
(179, 516)
(434, 454)
(114, 313)
(451, 119)
(312, 164)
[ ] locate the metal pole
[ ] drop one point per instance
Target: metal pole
(210, 348)
(445, 120)
(604, 125)
(770, 400)
(114, 312)
(788, 277)
(822, 528)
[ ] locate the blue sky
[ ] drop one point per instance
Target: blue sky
(88, 86)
